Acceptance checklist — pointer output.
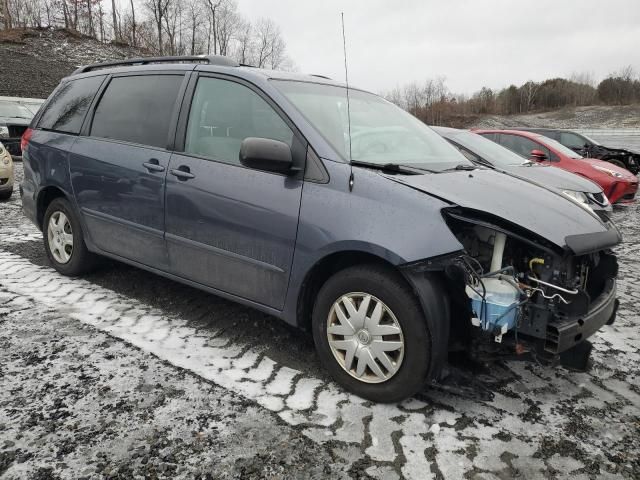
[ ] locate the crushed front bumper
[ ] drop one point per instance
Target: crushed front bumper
(563, 334)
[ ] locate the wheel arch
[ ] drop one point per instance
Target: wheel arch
(328, 266)
(47, 195)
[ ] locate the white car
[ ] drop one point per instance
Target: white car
(6, 173)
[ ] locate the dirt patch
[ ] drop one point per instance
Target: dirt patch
(34, 60)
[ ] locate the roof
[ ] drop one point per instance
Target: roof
(446, 130)
(214, 63)
(524, 133)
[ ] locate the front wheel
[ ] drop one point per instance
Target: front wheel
(6, 195)
(63, 239)
(371, 335)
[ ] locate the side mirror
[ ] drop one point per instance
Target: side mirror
(266, 154)
(538, 155)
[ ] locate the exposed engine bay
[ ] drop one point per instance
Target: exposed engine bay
(528, 293)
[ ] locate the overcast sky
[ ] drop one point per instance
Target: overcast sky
(470, 42)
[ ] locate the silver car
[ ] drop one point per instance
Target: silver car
(6, 173)
(485, 152)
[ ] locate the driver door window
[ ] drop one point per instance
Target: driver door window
(520, 145)
(224, 113)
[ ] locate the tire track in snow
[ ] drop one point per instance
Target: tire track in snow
(311, 403)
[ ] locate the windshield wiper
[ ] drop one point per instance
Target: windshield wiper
(392, 167)
(461, 166)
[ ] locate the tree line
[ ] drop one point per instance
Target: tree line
(435, 104)
(163, 27)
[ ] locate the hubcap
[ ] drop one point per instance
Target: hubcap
(365, 337)
(60, 237)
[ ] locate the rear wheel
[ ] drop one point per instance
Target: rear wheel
(63, 240)
(6, 195)
(371, 335)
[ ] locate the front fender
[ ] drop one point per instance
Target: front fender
(379, 217)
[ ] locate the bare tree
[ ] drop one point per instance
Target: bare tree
(171, 24)
(90, 19)
(114, 13)
(226, 26)
(133, 24)
(6, 14)
(194, 16)
(528, 93)
(213, 7)
(244, 49)
(267, 34)
(159, 9)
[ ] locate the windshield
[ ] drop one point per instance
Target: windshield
(381, 133)
(559, 147)
(595, 142)
(8, 109)
(485, 148)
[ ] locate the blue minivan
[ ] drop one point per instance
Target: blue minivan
(331, 209)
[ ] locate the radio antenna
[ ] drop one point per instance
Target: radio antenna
(346, 79)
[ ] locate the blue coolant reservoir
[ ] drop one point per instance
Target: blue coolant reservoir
(499, 313)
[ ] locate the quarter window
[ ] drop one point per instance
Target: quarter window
(68, 106)
(224, 113)
(137, 109)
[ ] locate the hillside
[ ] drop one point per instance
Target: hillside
(34, 60)
(592, 117)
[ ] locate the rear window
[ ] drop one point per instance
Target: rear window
(67, 108)
(137, 109)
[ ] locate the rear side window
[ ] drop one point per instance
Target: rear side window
(67, 108)
(137, 109)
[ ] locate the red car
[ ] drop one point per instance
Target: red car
(619, 185)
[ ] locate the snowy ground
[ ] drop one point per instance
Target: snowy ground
(591, 117)
(123, 374)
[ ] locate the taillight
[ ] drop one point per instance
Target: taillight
(26, 137)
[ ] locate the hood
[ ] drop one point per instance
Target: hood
(620, 151)
(626, 174)
(553, 177)
(538, 210)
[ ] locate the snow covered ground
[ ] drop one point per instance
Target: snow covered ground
(123, 374)
(591, 117)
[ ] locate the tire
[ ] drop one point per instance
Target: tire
(79, 260)
(404, 310)
(6, 195)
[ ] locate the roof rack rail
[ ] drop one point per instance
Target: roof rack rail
(210, 59)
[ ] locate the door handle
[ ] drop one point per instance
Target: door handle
(182, 172)
(153, 166)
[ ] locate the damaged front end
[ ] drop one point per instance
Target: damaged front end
(618, 156)
(525, 291)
